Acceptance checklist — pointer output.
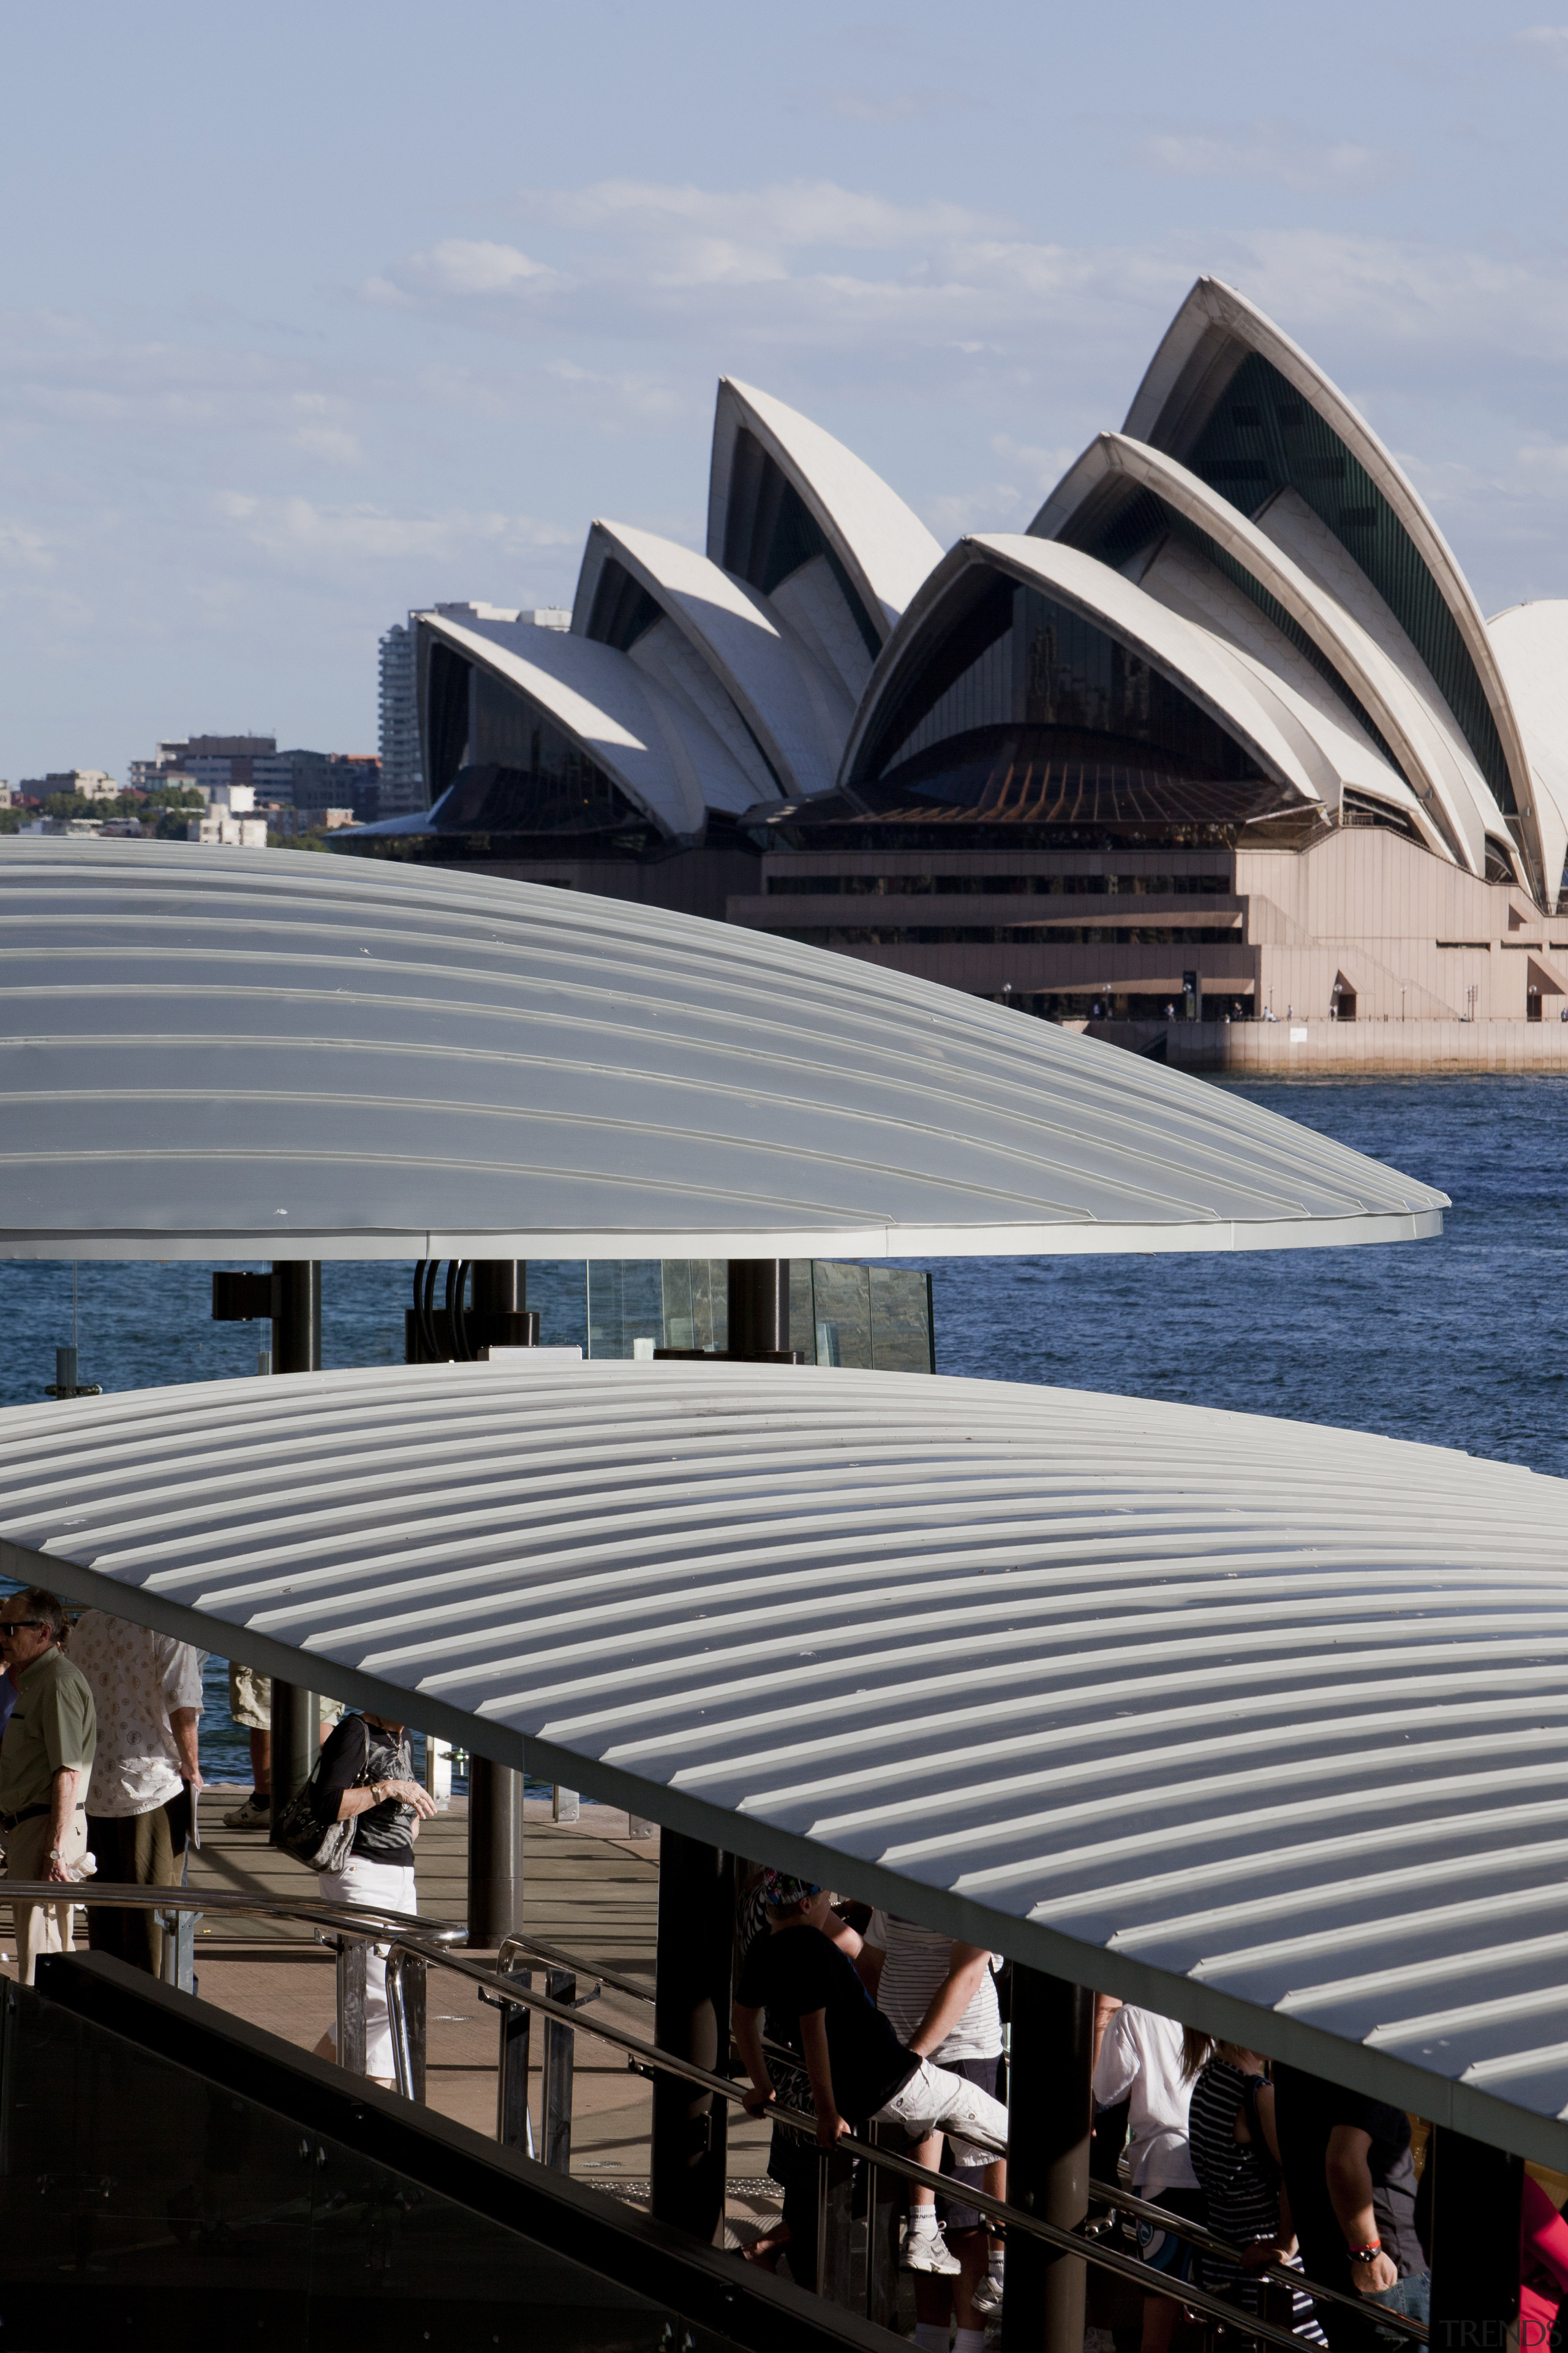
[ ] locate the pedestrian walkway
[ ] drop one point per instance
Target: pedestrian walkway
(589, 1888)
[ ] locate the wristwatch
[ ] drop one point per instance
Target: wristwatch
(54, 1854)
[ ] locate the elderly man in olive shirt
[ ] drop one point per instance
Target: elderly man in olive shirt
(46, 1764)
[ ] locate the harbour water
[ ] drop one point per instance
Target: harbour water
(1461, 1342)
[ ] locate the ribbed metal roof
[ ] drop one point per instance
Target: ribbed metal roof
(244, 1053)
(1261, 1723)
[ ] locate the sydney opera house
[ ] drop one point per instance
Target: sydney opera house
(1231, 674)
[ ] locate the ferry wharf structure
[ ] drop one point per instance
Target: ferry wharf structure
(252, 1056)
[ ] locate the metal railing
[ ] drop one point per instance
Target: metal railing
(413, 1945)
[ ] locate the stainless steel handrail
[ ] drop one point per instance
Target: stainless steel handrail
(538, 1950)
(314, 1911)
(437, 1944)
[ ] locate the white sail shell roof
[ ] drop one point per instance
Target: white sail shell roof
(797, 710)
(662, 758)
(881, 543)
(253, 1053)
(1185, 379)
(1259, 1723)
(1197, 660)
(1387, 679)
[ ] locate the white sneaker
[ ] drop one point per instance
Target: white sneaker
(987, 2297)
(250, 1815)
(927, 2251)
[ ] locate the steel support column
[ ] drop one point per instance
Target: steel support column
(1049, 2111)
(691, 2020)
(297, 1315)
(759, 1306)
(295, 1739)
(494, 1854)
(1476, 2192)
(501, 1286)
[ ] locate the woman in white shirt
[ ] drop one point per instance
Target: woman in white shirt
(941, 1999)
(1141, 2061)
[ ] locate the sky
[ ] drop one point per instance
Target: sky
(312, 313)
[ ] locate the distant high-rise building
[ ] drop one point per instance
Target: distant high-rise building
(402, 774)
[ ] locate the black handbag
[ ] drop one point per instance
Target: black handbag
(299, 1830)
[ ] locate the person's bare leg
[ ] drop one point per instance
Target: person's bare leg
(971, 2248)
(261, 1762)
(922, 2201)
(1159, 2316)
(934, 2300)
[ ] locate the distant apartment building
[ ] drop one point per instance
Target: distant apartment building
(225, 826)
(402, 776)
(87, 783)
(249, 772)
(319, 781)
(210, 762)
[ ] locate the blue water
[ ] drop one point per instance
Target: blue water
(1461, 1342)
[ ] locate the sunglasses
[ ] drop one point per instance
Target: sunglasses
(15, 1625)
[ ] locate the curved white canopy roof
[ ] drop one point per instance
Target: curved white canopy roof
(799, 714)
(1259, 1723)
(1216, 327)
(250, 1053)
(881, 543)
(1190, 656)
(663, 759)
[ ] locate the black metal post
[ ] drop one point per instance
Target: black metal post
(297, 1315)
(494, 1854)
(513, 2129)
(296, 1738)
(560, 2061)
(759, 1306)
(501, 1286)
(1475, 2193)
(691, 2020)
(1050, 2109)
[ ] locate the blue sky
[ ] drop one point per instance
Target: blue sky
(314, 312)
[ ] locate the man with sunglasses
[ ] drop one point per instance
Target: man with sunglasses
(46, 1763)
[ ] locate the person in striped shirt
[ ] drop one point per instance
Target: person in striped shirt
(940, 1996)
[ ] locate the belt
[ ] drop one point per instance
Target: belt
(31, 1814)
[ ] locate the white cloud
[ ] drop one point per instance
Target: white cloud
(1011, 500)
(707, 236)
(464, 269)
(1545, 44)
(883, 105)
(298, 527)
(627, 396)
(332, 443)
(23, 548)
(1267, 151)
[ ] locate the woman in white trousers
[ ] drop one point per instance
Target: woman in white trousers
(366, 1776)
